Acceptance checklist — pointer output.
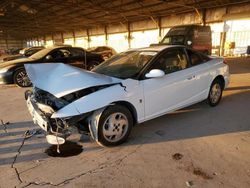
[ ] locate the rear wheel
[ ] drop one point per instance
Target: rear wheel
(215, 93)
(114, 126)
(21, 78)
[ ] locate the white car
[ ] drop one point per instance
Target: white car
(130, 88)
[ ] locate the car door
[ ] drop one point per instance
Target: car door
(57, 56)
(201, 76)
(77, 57)
(174, 89)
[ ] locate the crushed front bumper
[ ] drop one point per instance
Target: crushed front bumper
(40, 119)
(37, 116)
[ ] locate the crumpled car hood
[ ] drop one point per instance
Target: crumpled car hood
(61, 79)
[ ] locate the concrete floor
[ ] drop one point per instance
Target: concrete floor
(212, 145)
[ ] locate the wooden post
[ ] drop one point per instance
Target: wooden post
(129, 35)
(88, 38)
(223, 37)
(44, 40)
(52, 36)
(6, 41)
(204, 17)
(62, 39)
(106, 35)
(160, 28)
(74, 37)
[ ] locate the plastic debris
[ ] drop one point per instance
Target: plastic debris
(189, 183)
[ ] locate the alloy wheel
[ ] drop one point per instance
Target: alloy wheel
(215, 93)
(115, 127)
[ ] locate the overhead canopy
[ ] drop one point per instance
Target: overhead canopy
(23, 18)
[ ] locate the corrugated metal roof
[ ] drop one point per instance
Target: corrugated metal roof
(24, 19)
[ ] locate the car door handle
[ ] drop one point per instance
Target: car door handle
(191, 77)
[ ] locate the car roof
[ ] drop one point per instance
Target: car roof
(157, 48)
(57, 47)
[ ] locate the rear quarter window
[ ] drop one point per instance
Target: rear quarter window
(197, 58)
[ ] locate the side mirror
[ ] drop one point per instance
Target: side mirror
(189, 42)
(48, 57)
(155, 73)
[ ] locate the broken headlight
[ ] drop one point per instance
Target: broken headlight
(46, 100)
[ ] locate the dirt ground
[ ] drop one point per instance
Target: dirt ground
(198, 146)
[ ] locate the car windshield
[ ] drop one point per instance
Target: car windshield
(125, 65)
(170, 40)
(40, 54)
(31, 52)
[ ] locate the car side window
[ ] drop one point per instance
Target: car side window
(76, 52)
(60, 53)
(171, 61)
(196, 58)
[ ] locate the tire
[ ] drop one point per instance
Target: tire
(21, 78)
(114, 126)
(215, 93)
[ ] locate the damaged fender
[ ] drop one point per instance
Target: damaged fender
(129, 91)
(93, 123)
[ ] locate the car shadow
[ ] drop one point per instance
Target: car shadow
(199, 120)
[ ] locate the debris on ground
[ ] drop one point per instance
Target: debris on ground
(189, 183)
(4, 125)
(160, 132)
(7, 123)
(201, 173)
(177, 156)
(37, 132)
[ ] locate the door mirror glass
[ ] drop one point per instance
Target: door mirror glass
(48, 57)
(189, 42)
(155, 73)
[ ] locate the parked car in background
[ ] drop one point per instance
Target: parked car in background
(13, 51)
(105, 51)
(129, 88)
(26, 52)
(14, 71)
(197, 37)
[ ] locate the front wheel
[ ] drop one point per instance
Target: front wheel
(114, 125)
(21, 78)
(215, 93)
